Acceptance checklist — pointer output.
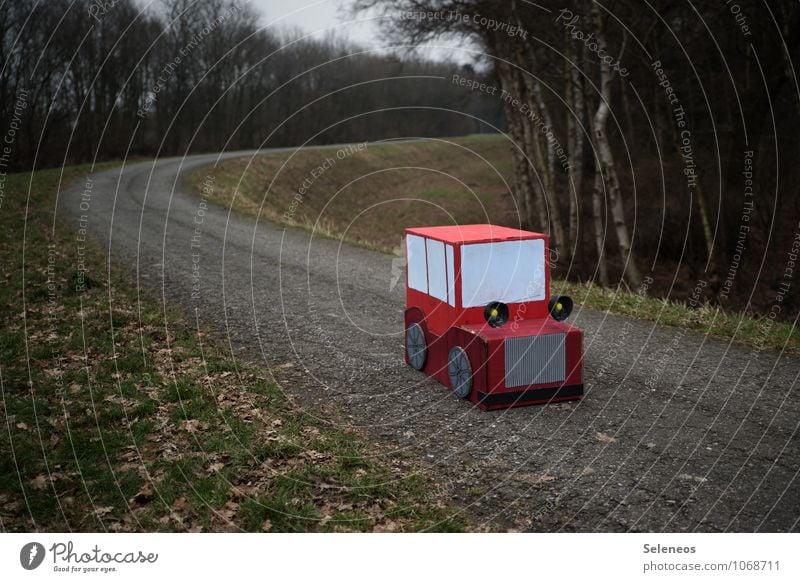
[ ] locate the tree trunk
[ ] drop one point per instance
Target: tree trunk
(702, 204)
(524, 192)
(575, 117)
(532, 152)
(597, 218)
(554, 208)
(606, 158)
(538, 144)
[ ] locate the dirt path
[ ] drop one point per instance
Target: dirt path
(676, 432)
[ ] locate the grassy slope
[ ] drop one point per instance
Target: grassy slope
(143, 426)
(370, 196)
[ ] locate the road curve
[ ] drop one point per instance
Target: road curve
(677, 432)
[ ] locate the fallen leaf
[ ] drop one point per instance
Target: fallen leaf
(193, 425)
(229, 510)
(39, 482)
(313, 455)
(144, 495)
(604, 438)
(534, 478)
(687, 477)
(22, 426)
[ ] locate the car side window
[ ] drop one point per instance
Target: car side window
(437, 270)
(417, 264)
(451, 275)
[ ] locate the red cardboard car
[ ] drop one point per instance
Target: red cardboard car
(480, 319)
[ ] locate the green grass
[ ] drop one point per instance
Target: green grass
(758, 332)
(456, 176)
(107, 438)
(451, 194)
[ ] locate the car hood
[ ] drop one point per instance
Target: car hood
(520, 328)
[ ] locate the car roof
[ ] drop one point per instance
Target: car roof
(473, 233)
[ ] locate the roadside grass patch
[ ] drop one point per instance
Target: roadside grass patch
(758, 332)
(144, 426)
(383, 185)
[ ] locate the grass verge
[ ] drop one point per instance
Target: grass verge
(120, 417)
(368, 195)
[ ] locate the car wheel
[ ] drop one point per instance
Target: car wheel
(460, 372)
(416, 348)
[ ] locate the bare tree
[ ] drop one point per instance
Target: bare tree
(575, 134)
(605, 157)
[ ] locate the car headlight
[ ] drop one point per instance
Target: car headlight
(496, 313)
(560, 307)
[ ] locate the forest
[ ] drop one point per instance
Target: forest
(654, 141)
(87, 80)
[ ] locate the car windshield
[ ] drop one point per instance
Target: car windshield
(509, 271)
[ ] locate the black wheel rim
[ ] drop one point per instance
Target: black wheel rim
(416, 349)
(460, 372)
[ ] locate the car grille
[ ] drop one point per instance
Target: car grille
(537, 359)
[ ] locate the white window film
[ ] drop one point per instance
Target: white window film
(437, 270)
(417, 268)
(510, 271)
(451, 275)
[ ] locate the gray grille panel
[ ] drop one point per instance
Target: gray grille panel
(535, 360)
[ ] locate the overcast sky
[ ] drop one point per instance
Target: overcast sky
(317, 16)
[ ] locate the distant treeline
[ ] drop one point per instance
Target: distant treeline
(653, 140)
(89, 79)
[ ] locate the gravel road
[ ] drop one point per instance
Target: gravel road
(677, 432)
